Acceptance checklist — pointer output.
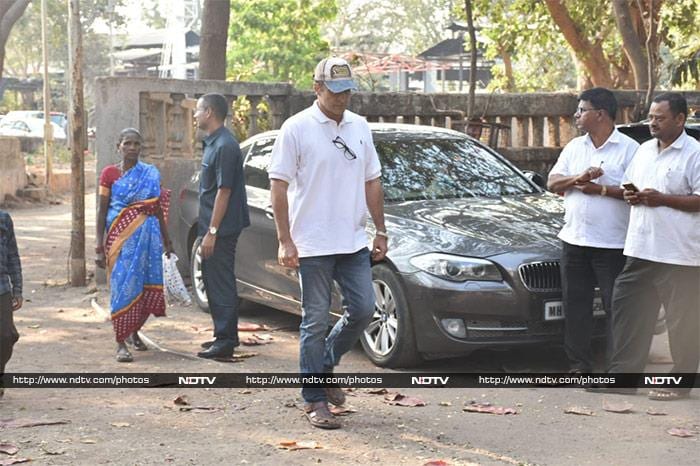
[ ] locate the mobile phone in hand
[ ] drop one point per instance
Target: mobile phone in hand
(630, 187)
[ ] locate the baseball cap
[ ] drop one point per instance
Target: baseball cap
(336, 74)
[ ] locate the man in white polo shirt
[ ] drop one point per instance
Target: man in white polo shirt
(324, 177)
(662, 248)
(588, 172)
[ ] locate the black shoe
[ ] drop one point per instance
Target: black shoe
(207, 344)
(216, 352)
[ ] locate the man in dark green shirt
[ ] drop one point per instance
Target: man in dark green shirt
(223, 214)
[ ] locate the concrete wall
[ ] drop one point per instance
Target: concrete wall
(12, 169)
(117, 104)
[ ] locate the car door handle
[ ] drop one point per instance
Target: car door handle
(269, 213)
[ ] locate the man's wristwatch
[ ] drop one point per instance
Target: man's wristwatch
(381, 233)
(604, 190)
(213, 230)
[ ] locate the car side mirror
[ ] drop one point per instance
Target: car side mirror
(536, 178)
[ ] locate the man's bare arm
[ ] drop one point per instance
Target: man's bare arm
(287, 254)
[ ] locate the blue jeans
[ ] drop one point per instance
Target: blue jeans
(320, 353)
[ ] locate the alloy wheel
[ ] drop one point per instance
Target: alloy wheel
(381, 332)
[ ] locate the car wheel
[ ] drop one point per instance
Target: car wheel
(389, 339)
(198, 290)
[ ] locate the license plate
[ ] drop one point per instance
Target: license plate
(554, 310)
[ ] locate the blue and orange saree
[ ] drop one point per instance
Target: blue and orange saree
(134, 248)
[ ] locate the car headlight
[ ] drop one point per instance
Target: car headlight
(457, 268)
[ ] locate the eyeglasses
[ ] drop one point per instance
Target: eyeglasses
(347, 152)
(581, 110)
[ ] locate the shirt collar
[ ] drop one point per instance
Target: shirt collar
(614, 138)
(680, 141)
(322, 118)
(212, 137)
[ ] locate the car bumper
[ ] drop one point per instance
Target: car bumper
(493, 314)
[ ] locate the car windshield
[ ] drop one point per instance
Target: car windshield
(425, 167)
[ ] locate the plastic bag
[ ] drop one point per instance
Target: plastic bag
(174, 287)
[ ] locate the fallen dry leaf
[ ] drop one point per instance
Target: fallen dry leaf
(302, 445)
(251, 327)
(53, 452)
(199, 409)
(263, 336)
(680, 432)
(445, 403)
(88, 441)
(8, 449)
(437, 463)
(181, 400)
(245, 391)
(656, 412)
(488, 408)
(341, 410)
(9, 461)
(398, 399)
(34, 326)
(237, 357)
(579, 410)
(252, 341)
(377, 391)
(121, 424)
(17, 423)
(622, 407)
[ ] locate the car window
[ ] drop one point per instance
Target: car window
(425, 166)
(255, 169)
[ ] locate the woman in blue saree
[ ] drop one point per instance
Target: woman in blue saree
(131, 237)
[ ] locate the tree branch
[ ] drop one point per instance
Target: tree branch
(590, 55)
(631, 44)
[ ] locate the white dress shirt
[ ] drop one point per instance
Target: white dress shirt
(663, 234)
(593, 220)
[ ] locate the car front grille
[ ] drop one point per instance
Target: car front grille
(541, 276)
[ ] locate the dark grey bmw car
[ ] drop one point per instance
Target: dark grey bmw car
(473, 256)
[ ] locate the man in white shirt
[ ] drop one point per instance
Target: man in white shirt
(589, 171)
(662, 248)
(325, 175)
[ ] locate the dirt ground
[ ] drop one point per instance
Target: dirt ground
(62, 332)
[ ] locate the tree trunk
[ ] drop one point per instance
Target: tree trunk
(589, 54)
(651, 43)
(508, 69)
(472, 65)
(78, 137)
(212, 50)
(10, 12)
(631, 44)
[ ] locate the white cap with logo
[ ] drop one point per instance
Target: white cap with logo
(336, 74)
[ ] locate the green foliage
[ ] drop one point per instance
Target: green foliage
(399, 26)
(542, 60)
(24, 57)
(277, 40)
(24, 51)
(679, 25)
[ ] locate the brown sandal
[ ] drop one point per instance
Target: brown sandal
(320, 416)
(661, 394)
